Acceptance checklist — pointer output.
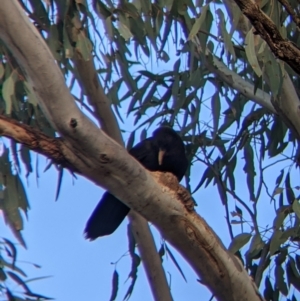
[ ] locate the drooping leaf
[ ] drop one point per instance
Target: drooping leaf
(296, 208)
(59, 182)
(278, 190)
(115, 286)
(249, 170)
(288, 189)
(256, 246)
(268, 291)
(239, 241)
(276, 241)
(251, 53)
(175, 262)
(198, 23)
(26, 159)
(280, 281)
(13, 251)
(18, 280)
(8, 91)
(216, 108)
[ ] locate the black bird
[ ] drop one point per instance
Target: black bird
(164, 151)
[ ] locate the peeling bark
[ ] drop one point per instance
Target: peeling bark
(35, 140)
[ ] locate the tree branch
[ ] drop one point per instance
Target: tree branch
(265, 27)
(238, 83)
(156, 196)
(36, 141)
(96, 96)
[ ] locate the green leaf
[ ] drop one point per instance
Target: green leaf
(198, 23)
(18, 280)
(256, 246)
(3, 276)
(40, 12)
(292, 263)
(296, 207)
(207, 175)
(280, 217)
(159, 21)
(136, 260)
(11, 204)
(249, 169)
(37, 278)
(276, 241)
(59, 181)
(216, 108)
(2, 70)
(274, 72)
(31, 96)
(175, 91)
(223, 33)
(281, 257)
(54, 43)
(268, 291)
(162, 251)
(109, 28)
(288, 189)
(13, 251)
(297, 258)
(251, 53)
(22, 196)
(115, 286)
(175, 262)
(278, 190)
(280, 177)
(239, 241)
(8, 91)
(130, 289)
(279, 280)
(102, 10)
(292, 277)
(26, 159)
(67, 45)
(130, 140)
(124, 31)
(130, 9)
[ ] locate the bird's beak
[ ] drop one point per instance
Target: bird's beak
(161, 154)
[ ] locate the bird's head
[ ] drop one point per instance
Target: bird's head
(167, 140)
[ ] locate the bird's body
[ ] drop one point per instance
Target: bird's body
(165, 152)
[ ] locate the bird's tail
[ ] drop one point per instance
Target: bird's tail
(106, 217)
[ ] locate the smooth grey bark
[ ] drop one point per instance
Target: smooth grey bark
(238, 83)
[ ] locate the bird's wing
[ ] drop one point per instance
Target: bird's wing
(146, 152)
